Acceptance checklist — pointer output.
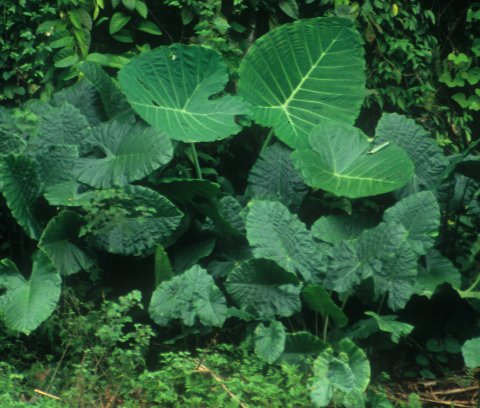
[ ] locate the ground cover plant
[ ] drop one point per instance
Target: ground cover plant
(206, 220)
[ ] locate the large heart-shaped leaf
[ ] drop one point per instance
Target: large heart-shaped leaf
(27, 303)
(346, 373)
(131, 221)
(437, 271)
(390, 325)
(382, 253)
(69, 194)
(319, 300)
(264, 289)
(58, 242)
(172, 88)
(427, 157)
(129, 152)
(270, 341)
(471, 352)
(301, 345)
(375, 323)
(274, 177)
(398, 271)
(55, 163)
(64, 124)
(113, 101)
(341, 160)
(274, 233)
(189, 297)
(83, 96)
(303, 73)
(419, 214)
(337, 228)
(20, 186)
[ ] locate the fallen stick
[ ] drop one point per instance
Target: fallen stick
(46, 394)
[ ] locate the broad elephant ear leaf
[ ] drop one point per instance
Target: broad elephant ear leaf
(275, 233)
(303, 73)
(171, 88)
(264, 289)
(345, 373)
(320, 301)
(437, 271)
(389, 324)
(427, 157)
(20, 186)
(138, 220)
(64, 124)
(27, 303)
(190, 297)
(83, 96)
(129, 152)
(69, 194)
(270, 341)
(337, 228)
(58, 241)
(341, 161)
(113, 101)
(382, 253)
(301, 345)
(471, 352)
(419, 214)
(274, 177)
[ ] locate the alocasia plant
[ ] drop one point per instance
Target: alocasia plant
(278, 253)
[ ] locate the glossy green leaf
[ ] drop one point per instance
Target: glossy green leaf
(274, 177)
(141, 8)
(163, 268)
(347, 372)
(337, 228)
(108, 60)
(27, 303)
(122, 151)
(149, 27)
(114, 103)
(270, 341)
(419, 214)
(172, 87)
(341, 161)
(65, 58)
(185, 191)
(274, 233)
(55, 163)
(59, 240)
(426, 155)
(118, 21)
(132, 221)
(303, 73)
(299, 346)
(388, 324)
(85, 98)
(64, 124)
(289, 7)
(263, 289)
(320, 301)
(20, 186)
(129, 4)
(471, 352)
(398, 272)
(382, 253)
(189, 254)
(437, 271)
(69, 194)
(190, 297)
